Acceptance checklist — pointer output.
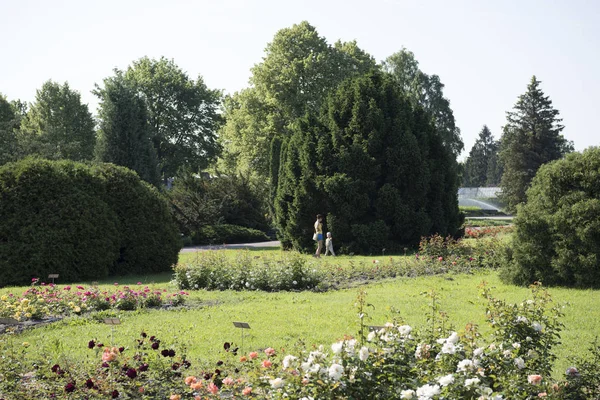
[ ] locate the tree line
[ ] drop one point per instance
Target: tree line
(321, 128)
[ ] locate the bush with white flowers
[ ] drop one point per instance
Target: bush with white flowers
(398, 362)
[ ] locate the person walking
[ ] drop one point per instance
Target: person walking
(329, 244)
(319, 235)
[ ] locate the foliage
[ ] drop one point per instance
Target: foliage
(43, 300)
(481, 166)
(225, 233)
(213, 271)
(557, 230)
(398, 362)
(124, 131)
(148, 237)
(10, 121)
(81, 222)
(183, 114)
(146, 368)
(374, 164)
(200, 200)
(58, 125)
(426, 91)
(292, 271)
(298, 71)
(531, 137)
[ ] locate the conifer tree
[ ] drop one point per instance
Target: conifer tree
(532, 137)
(373, 164)
(481, 166)
(124, 134)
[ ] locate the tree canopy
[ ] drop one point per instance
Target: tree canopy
(297, 73)
(481, 166)
(426, 91)
(531, 137)
(124, 131)
(58, 125)
(183, 114)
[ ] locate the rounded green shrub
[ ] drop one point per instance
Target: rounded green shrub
(81, 222)
(225, 233)
(557, 235)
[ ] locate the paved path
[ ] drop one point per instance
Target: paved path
(193, 249)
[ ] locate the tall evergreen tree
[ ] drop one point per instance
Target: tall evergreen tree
(58, 125)
(481, 166)
(124, 133)
(532, 137)
(374, 164)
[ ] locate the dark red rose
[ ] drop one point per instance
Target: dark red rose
(165, 353)
(91, 344)
(115, 394)
(171, 353)
(121, 349)
(155, 346)
(132, 373)
(143, 367)
(89, 383)
(70, 387)
(55, 368)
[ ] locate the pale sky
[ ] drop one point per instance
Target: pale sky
(484, 51)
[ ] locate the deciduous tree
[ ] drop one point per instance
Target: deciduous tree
(58, 125)
(183, 114)
(427, 91)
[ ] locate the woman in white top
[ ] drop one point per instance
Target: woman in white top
(319, 233)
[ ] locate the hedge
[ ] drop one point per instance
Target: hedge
(80, 221)
(219, 234)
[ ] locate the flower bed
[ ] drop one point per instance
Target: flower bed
(292, 271)
(48, 300)
(395, 361)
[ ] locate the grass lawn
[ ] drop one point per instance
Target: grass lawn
(284, 319)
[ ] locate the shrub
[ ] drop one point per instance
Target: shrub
(557, 231)
(228, 234)
(215, 271)
(81, 222)
(148, 237)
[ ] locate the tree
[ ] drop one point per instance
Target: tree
(124, 132)
(10, 120)
(374, 163)
(531, 137)
(426, 91)
(294, 78)
(481, 166)
(183, 114)
(58, 125)
(557, 229)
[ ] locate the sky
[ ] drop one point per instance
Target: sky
(485, 52)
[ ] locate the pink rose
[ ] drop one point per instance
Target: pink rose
(214, 389)
(270, 351)
(247, 391)
(534, 379)
(267, 364)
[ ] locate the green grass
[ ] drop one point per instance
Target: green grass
(486, 222)
(283, 319)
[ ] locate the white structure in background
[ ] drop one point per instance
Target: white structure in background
(479, 197)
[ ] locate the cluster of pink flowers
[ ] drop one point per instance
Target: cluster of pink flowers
(488, 231)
